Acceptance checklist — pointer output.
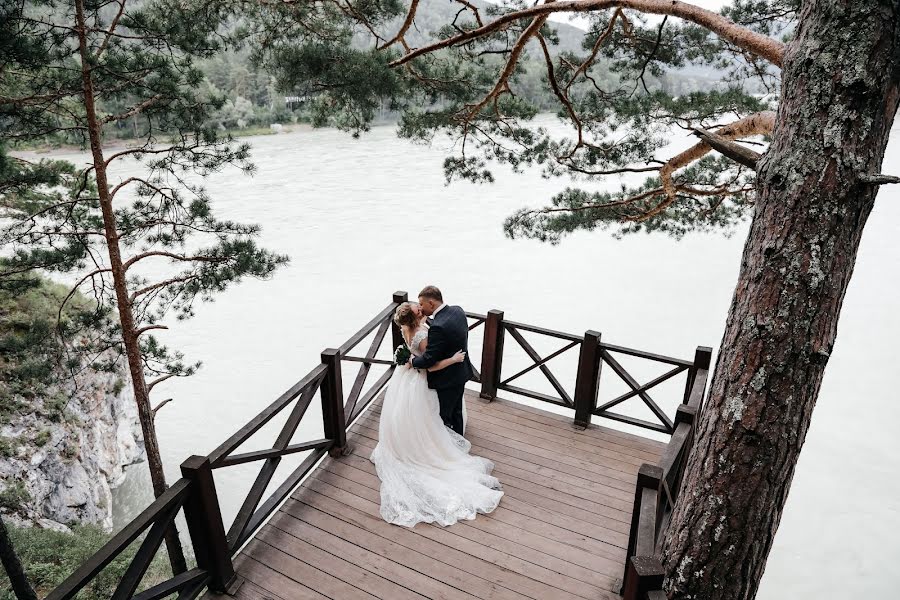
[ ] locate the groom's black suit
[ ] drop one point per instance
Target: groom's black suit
(449, 333)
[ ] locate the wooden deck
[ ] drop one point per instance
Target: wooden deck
(560, 532)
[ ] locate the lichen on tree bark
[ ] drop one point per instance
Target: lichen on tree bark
(841, 85)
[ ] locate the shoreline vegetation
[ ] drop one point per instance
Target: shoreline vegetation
(254, 103)
(49, 149)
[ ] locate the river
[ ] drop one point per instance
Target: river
(363, 218)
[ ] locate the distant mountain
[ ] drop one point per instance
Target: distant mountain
(570, 37)
(432, 15)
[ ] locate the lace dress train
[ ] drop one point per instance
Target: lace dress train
(427, 474)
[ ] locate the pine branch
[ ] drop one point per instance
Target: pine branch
(472, 8)
(162, 284)
(503, 80)
(178, 257)
(410, 17)
(112, 29)
(74, 290)
(757, 44)
(756, 124)
(134, 111)
(159, 380)
(879, 179)
(736, 152)
(582, 68)
(148, 328)
(159, 406)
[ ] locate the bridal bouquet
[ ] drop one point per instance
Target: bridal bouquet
(401, 355)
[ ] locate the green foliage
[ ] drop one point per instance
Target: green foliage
(148, 85)
(402, 354)
(35, 339)
(575, 209)
(354, 83)
(48, 557)
(70, 450)
(7, 447)
(41, 438)
(14, 496)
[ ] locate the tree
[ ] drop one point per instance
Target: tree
(835, 66)
(73, 70)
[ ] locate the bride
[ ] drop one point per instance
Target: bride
(427, 474)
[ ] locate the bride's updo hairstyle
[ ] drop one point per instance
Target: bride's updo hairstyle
(405, 315)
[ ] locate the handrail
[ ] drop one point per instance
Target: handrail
(256, 455)
(648, 355)
(368, 328)
(196, 495)
(166, 504)
(194, 578)
(258, 517)
(241, 435)
(593, 354)
(544, 331)
(657, 492)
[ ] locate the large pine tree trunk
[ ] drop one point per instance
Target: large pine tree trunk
(130, 335)
(841, 85)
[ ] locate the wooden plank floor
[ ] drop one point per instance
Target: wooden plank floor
(560, 531)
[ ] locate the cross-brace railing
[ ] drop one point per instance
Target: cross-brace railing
(196, 497)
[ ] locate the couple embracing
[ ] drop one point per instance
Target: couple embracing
(427, 474)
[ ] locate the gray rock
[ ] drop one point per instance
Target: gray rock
(70, 465)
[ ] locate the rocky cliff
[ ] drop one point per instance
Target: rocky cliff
(64, 438)
(62, 470)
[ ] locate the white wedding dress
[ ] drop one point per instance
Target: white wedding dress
(427, 474)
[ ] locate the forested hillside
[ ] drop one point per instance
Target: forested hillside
(254, 102)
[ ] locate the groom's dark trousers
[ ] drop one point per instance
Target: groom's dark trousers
(449, 333)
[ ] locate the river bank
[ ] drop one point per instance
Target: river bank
(53, 150)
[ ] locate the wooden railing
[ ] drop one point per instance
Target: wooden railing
(195, 493)
(657, 491)
(592, 355)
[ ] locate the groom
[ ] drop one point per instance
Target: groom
(448, 334)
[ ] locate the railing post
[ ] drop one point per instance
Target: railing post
(685, 414)
(643, 574)
(396, 334)
(587, 379)
(492, 354)
(702, 358)
(333, 415)
(204, 521)
(688, 415)
(642, 567)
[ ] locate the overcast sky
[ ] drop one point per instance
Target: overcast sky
(581, 21)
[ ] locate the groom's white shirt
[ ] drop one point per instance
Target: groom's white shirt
(437, 310)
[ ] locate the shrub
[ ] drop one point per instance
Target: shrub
(7, 447)
(42, 437)
(14, 496)
(50, 556)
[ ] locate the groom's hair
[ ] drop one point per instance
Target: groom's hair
(432, 293)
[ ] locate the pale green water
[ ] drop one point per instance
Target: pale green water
(361, 218)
